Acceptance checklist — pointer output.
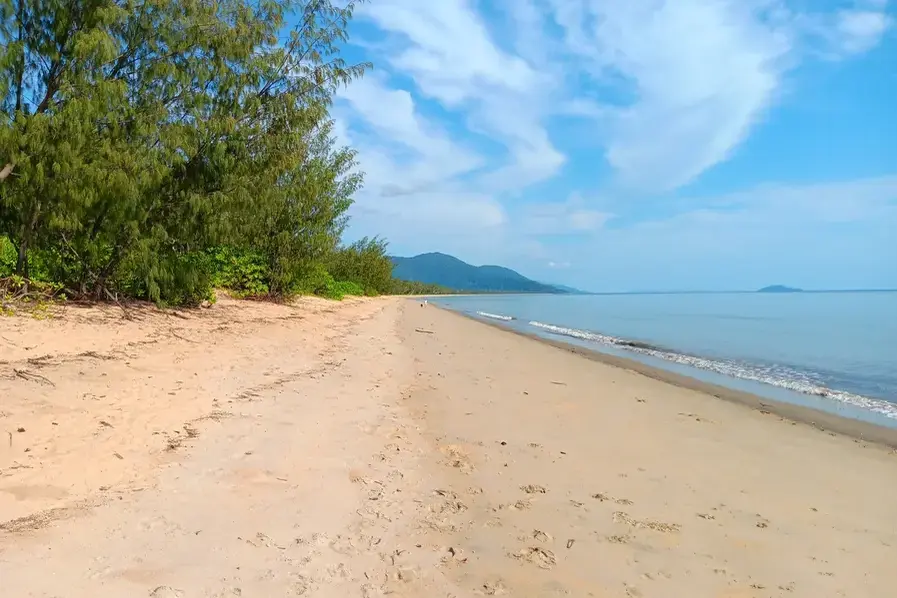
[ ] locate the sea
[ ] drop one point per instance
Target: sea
(834, 351)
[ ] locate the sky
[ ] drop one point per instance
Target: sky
(632, 145)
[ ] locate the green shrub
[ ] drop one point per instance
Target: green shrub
(365, 263)
(314, 281)
(350, 288)
(241, 272)
(7, 257)
(168, 279)
(331, 291)
(410, 287)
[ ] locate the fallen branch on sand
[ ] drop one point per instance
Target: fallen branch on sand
(26, 375)
(175, 334)
(422, 331)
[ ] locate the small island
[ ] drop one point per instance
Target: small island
(778, 288)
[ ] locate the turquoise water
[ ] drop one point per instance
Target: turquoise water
(831, 351)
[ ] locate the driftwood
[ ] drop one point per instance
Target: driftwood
(31, 377)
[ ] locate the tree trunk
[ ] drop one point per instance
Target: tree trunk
(22, 260)
(99, 287)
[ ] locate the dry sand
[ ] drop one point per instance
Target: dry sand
(377, 447)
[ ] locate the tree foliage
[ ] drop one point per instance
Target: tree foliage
(365, 263)
(413, 287)
(157, 147)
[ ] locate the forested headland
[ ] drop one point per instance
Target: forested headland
(159, 149)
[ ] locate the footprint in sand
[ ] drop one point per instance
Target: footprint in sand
(494, 588)
(542, 536)
(450, 504)
(618, 539)
(606, 497)
(520, 505)
(535, 555)
(657, 526)
(457, 458)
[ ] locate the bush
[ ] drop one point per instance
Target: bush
(7, 257)
(411, 287)
(350, 288)
(241, 272)
(168, 279)
(366, 264)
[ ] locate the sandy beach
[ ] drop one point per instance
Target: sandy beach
(377, 447)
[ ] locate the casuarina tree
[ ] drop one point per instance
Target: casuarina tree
(137, 134)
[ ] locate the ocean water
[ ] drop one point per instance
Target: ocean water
(831, 351)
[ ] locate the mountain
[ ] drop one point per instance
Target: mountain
(778, 288)
(448, 271)
(570, 290)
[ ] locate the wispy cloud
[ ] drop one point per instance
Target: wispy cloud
(449, 52)
(860, 30)
(407, 150)
(786, 230)
(573, 216)
(458, 128)
(701, 73)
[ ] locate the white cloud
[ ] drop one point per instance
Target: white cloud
(456, 122)
(702, 72)
(558, 218)
(861, 30)
(826, 235)
(450, 54)
(430, 213)
(426, 155)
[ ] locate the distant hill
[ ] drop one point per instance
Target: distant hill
(450, 272)
(778, 288)
(570, 290)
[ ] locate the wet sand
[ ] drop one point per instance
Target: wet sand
(586, 479)
(816, 418)
(376, 447)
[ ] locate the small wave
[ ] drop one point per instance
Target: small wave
(485, 314)
(780, 376)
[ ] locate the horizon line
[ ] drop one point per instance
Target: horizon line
(736, 291)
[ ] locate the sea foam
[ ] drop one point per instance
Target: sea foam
(774, 375)
(485, 314)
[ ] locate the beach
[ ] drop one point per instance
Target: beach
(379, 447)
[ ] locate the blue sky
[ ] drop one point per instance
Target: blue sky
(637, 145)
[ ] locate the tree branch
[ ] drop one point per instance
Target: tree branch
(7, 170)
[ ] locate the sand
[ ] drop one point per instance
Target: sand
(377, 447)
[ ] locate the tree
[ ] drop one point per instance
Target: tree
(139, 133)
(365, 263)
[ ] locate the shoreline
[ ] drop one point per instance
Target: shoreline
(802, 415)
(458, 460)
(564, 458)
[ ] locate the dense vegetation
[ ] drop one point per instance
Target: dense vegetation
(159, 148)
